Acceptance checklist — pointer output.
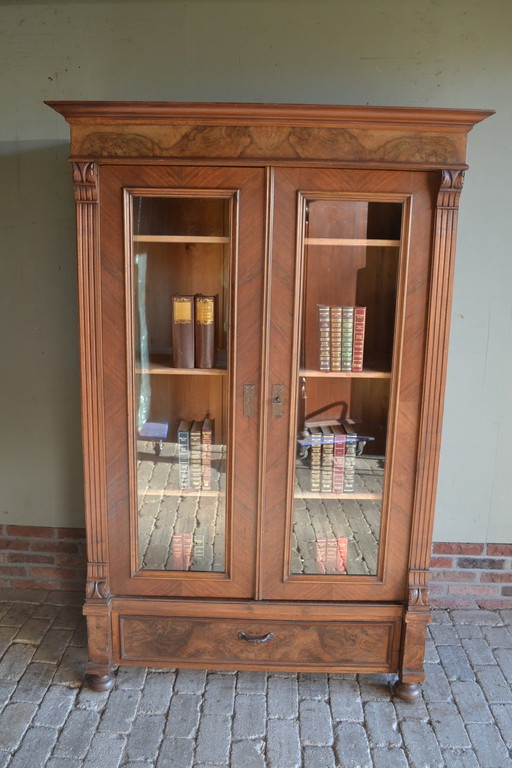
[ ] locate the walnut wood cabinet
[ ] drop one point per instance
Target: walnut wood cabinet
(266, 501)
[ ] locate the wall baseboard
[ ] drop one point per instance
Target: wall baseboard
(462, 575)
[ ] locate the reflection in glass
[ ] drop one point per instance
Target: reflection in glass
(180, 278)
(347, 333)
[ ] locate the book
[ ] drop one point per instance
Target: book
(347, 336)
(331, 554)
(183, 331)
(204, 319)
(338, 466)
(315, 434)
(336, 335)
(154, 430)
(195, 458)
(181, 551)
(184, 454)
(327, 459)
(358, 340)
(350, 457)
(324, 323)
(206, 454)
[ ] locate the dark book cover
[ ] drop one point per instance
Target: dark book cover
(204, 313)
(184, 454)
(195, 455)
(206, 454)
(183, 331)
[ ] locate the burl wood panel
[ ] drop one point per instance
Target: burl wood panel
(298, 645)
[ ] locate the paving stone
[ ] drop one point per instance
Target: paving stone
(35, 682)
(214, 739)
(282, 696)
(71, 667)
(15, 660)
(504, 659)
(471, 702)
(178, 753)
(157, 692)
(62, 762)
(431, 655)
(478, 651)
(503, 716)
(313, 686)
(412, 710)
(120, 711)
(489, 746)
(68, 617)
(145, 737)
(7, 634)
(346, 700)
(441, 617)
(106, 750)
(319, 757)
(89, 699)
(219, 694)
(76, 736)
(6, 691)
(444, 634)
(131, 678)
(506, 616)
(351, 746)
(250, 713)
(436, 686)
(53, 645)
(17, 614)
(252, 682)
(389, 758)
(55, 706)
(283, 749)
(183, 715)
(32, 631)
(495, 687)
(190, 681)
(315, 723)
(14, 721)
(20, 596)
(421, 745)
(449, 726)
(498, 637)
(375, 687)
(455, 662)
(35, 748)
(247, 754)
(4, 759)
(476, 616)
(460, 759)
(381, 724)
(469, 632)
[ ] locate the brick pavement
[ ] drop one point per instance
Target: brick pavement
(155, 718)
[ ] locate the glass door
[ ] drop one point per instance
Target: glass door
(192, 292)
(343, 501)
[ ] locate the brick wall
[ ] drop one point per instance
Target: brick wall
(462, 575)
(469, 575)
(37, 557)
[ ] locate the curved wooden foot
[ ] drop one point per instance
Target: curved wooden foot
(407, 691)
(100, 682)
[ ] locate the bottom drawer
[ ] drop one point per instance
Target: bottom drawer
(265, 644)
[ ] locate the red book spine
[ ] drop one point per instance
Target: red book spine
(183, 331)
(359, 329)
(324, 321)
(338, 470)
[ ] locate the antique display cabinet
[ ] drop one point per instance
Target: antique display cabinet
(264, 311)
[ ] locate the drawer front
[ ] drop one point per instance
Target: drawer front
(253, 644)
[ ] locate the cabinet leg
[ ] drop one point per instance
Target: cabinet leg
(407, 691)
(100, 682)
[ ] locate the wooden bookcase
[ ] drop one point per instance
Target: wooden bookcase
(273, 510)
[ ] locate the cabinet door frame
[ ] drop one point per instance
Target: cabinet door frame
(417, 193)
(117, 183)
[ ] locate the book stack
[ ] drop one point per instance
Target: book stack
(331, 554)
(193, 331)
(181, 551)
(341, 337)
(333, 450)
(195, 454)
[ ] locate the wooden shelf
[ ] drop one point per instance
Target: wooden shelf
(180, 492)
(366, 373)
(354, 496)
(351, 241)
(158, 368)
(179, 239)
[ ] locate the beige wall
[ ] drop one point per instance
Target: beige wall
(399, 52)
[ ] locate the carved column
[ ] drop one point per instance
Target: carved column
(418, 610)
(97, 607)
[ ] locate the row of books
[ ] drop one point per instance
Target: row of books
(333, 450)
(193, 331)
(195, 454)
(341, 339)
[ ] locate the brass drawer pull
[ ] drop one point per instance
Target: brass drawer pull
(256, 638)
